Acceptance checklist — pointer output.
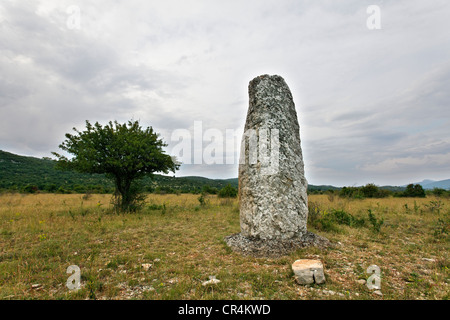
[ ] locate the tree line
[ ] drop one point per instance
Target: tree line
(370, 190)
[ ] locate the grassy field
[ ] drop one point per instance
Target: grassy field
(175, 244)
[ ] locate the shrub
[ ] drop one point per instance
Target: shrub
(329, 221)
(435, 206)
(228, 192)
(202, 200)
(50, 187)
(413, 190)
(209, 190)
(343, 217)
(87, 195)
(30, 189)
(156, 206)
(61, 190)
(370, 190)
(442, 226)
(439, 192)
(376, 224)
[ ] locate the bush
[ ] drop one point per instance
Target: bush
(376, 224)
(202, 200)
(156, 206)
(329, 221)
(442, 227)
(413, 190)
(435, 206)
(209, 190)
(163, 190)
(228, 192)
(439, 192)
(161, 207)
(79, 188)
(370, 190)
(30, 189)
(50, 187)
(348, 192)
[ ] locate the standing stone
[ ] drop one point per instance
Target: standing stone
(272, 206)
(272, 186)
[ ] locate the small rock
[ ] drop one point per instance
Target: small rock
(378, 293)
(148, 288)
(361, 281)
(36, 286)
(308, 271)
(146, 266)
(212, 280)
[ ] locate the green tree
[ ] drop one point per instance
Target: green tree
(125, 153)
(228, 192)
(414, 190)
(370, 190)
(209, 189)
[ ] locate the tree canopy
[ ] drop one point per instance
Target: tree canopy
(124, 152)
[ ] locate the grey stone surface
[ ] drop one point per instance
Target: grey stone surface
(272, 186)
(273, 203)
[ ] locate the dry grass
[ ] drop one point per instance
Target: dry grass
(41, 235)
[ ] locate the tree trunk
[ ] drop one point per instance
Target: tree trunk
(124, 196)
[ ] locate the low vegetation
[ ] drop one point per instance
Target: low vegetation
(175, 243)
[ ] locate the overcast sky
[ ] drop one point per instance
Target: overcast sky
(373, 104)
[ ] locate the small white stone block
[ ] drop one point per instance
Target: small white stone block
(212, 280)
(308, 271)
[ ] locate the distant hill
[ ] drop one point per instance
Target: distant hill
(431, 184)
(443, 184)
(18, 172)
